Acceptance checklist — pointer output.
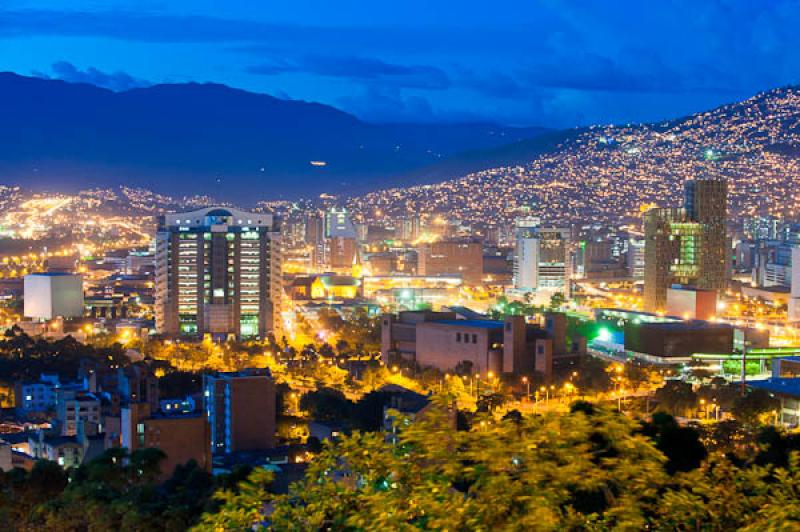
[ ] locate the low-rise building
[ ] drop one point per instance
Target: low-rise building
(676, 342)
(182, 437)
(440, 340)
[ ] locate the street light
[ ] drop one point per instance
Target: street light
(528, 384)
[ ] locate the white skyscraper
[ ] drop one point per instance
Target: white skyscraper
(794, 301)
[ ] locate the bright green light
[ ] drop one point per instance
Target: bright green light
(604, 335)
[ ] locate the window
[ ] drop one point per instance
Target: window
(474, 338)
(458, 337)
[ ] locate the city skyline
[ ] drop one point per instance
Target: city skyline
(226, 310)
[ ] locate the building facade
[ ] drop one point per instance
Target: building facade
(540, 258)
(452, 257)
(687, 245)
(240, 407)
(218, 271)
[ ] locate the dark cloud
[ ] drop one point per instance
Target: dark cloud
(115, 81)
(359, 69)
(562, 62)
(255, 37)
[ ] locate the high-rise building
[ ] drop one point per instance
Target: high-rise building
(526, 263)
(687, 246)
(338, 223)
(635, 258)
(672, 241)
(342, 252)
(241, 410)
(540, 257)
(217, 271)
(553, 247)
(315, 238)
(706, 201)
(794, 297)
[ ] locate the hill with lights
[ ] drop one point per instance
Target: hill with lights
(609, 174)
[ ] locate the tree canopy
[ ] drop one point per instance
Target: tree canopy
(588, 470)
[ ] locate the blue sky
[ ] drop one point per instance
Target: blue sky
(535, 62)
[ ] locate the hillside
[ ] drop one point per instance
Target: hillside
(211, 139)
(607, 174)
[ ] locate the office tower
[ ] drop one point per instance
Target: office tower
(342, 252)
(315, 238)
(240, 407)
(540, 257)
(526, 263)
(794, 296)
(526, 253)
(452, 257)
(407, 228)
(218, 271)
(635, 258)
(706, 202)
(688, 245)
(553, 246)
(672, 241)
(338, 223)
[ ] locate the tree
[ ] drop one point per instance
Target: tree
(326, 404)
(557, 300)
(374, 377)
(681, 445)
(587, 470)
(676, 397)
(593, 374)
(241, 509)
(751, 406)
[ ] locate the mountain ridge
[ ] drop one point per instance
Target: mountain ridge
(219, 140)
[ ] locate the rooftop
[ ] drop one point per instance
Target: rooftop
(478, 324)
(782, 386)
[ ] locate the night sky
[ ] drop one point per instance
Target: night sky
(532, 62)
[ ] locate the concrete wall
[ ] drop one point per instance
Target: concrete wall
(438, 346)
(50, 296)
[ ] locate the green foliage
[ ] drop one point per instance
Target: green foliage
(755, 403)
(681, 445)
(592, 375)
(557, 300)
(22, 357)
(241, 509)
(326, 404)
(116, 491)
(587, 470)
(676, 397)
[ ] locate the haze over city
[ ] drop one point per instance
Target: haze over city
(368, 266)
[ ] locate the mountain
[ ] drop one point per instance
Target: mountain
(183, 139)
(610, 174)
